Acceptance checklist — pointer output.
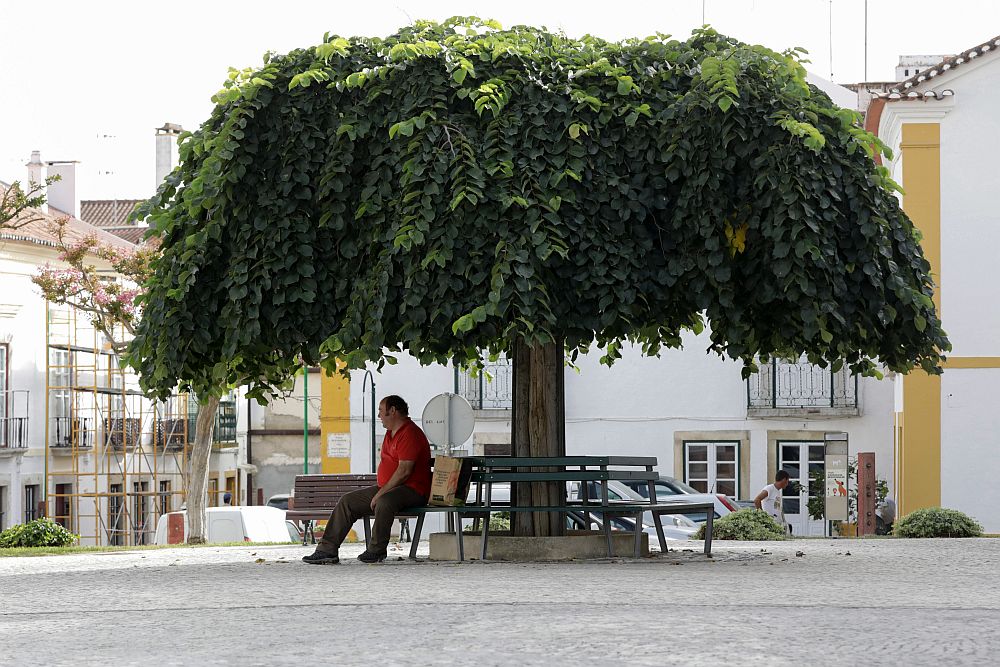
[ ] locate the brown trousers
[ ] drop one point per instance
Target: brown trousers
(357, 505)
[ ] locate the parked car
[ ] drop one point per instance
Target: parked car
(668, 486)
(279, 500)
(620, 491)
(237, 524)
(675, 526)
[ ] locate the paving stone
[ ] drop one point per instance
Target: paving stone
(913, 602)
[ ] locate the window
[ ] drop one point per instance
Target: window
(3, 394)
(3, 497)
(140, 511)
(116, 509)
(712, 467)
(164, 497)
(64, 512)
(60, 364)
(31, 498)
(213, 492)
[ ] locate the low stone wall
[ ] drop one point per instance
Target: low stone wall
(575, 545)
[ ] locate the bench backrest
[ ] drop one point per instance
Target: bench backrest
(323, 492)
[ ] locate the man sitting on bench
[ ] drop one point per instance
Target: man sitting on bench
(404, 480)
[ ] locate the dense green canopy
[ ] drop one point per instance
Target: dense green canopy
(456, 186)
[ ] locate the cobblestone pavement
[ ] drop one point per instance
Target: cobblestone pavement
(841, 602)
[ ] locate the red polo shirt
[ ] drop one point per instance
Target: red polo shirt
(408, 444)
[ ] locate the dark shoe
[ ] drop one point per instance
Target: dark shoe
(321, 558)
(372, 557)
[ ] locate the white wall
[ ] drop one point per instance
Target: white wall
(970, 219)
(970, 447)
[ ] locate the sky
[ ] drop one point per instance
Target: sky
(90, 81)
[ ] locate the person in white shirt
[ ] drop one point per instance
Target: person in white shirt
(769, 499)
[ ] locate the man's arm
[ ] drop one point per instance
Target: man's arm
(759, 499)
(398, 478)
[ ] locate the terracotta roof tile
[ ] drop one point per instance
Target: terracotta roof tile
(132, 234)
(40, 230)
(908, 88)
(107, 212)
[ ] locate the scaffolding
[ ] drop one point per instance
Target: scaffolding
(115, 460)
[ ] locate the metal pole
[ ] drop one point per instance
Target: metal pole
(831, 40)
(305, 420)
(364, 382)
(866, 41)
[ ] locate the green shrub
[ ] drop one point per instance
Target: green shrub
(42, 532)
(746, 524)
(937, 522)
(499, 523)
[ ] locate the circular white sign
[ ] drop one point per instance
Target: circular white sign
(448, 420)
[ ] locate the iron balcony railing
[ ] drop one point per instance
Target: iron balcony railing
(68, 429)
(225, 422)
(492, 388)
(799, 384)
(14, 419)
(122, 432)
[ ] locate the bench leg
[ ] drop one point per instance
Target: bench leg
(485, 537)
(458, 536)
(638, 536)
(661, 538)
(708, 532)
(606, 523)
(306, 532)
(416, 537)
(368, 531)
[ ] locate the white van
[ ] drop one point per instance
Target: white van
(237, 524)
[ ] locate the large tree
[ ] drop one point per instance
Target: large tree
(458, 187)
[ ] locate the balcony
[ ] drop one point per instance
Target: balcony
(490, 389)
(14, 419)
(171, 434)
(72, 431)
(225, 425)
(799, 389)
(121, 433)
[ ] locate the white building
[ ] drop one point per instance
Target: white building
(78, 441)
(943, 128)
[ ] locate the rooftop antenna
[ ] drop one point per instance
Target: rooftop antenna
(831, 40)
(866, 40)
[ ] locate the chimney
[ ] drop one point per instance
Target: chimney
(62, 193)
(166, 150)
(35, 176)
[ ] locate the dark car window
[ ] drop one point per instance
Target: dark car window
(663, 488)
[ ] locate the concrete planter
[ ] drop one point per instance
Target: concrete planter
(575, 545)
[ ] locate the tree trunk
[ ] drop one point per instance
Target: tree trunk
(539, 429)
(197, 491)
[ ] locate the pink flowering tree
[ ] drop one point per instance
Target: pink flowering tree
(109, 299)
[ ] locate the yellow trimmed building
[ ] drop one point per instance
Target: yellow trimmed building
(943, 127)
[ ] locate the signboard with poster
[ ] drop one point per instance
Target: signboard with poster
(836, 477)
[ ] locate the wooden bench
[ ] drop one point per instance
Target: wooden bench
(316, 496)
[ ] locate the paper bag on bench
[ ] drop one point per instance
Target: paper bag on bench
(450, 483)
